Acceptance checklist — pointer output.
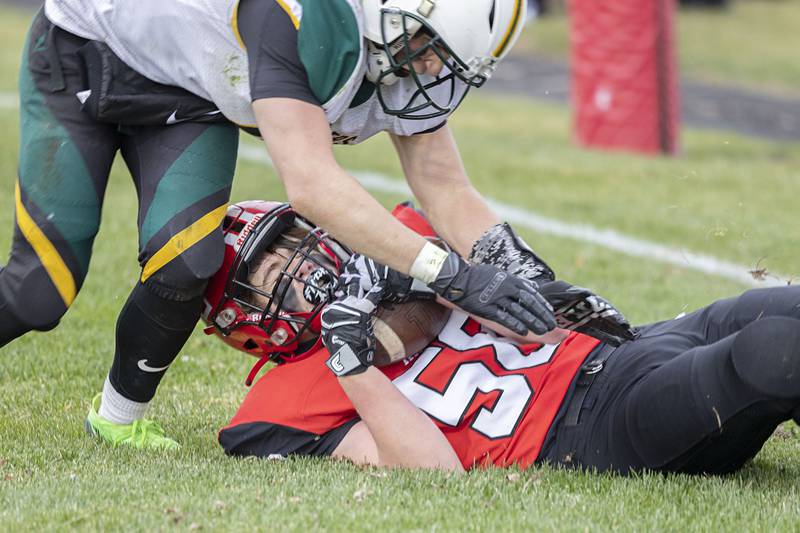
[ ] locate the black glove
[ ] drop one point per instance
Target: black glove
(579, 309)
(347, 330)
(502, 247)
(489, 292)
(360, 274)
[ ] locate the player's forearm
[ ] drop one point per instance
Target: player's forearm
(404, 435)
(461, 216)
(337, 203)
(298, 138)
(434, 170)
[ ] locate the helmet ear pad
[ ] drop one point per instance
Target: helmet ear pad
(377, 63)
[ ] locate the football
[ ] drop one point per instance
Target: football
(405, 329)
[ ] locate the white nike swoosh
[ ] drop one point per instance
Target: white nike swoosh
(173, 118)
(83, 95)
(143, 366)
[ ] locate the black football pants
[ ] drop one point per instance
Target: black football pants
(698, 394)
(183, 176)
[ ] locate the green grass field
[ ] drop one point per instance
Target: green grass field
(727, 196)
(752, 43)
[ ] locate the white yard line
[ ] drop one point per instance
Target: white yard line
(605, 238)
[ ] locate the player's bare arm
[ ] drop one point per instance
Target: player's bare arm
(395, 433)
(298, 137)
(436, 175)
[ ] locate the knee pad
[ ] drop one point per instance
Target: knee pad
(185, 277)
(171, 308)
(176, 290)
(766, 356)
(12, 327)
(31, 299)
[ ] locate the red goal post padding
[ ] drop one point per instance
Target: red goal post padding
(624, 74)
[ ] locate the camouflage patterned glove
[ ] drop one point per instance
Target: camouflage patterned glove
(579, 309)
(502, 247)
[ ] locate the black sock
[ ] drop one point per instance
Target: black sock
(151, 331)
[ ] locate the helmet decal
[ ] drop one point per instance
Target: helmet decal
(320, 286)
(247, 229)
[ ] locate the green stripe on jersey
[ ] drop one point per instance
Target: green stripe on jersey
(329, 45)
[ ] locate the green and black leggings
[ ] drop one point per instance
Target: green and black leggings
(182, 173)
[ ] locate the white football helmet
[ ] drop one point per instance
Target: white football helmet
(469, 36)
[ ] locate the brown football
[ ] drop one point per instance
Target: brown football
(405, 329)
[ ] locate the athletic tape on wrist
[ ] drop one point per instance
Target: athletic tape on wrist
(428, 263)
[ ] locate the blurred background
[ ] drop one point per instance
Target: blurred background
(735, 60)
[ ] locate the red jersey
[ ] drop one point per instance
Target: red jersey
(494, 400)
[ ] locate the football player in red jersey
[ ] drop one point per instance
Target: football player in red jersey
(698, 394)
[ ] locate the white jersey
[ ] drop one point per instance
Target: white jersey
(194, 44)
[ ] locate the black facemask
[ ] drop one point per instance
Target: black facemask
(422, 105)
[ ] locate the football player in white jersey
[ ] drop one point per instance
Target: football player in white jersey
(165, 83)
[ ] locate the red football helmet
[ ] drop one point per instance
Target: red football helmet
(280, 321)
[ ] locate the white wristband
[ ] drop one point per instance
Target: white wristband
(428, 263)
